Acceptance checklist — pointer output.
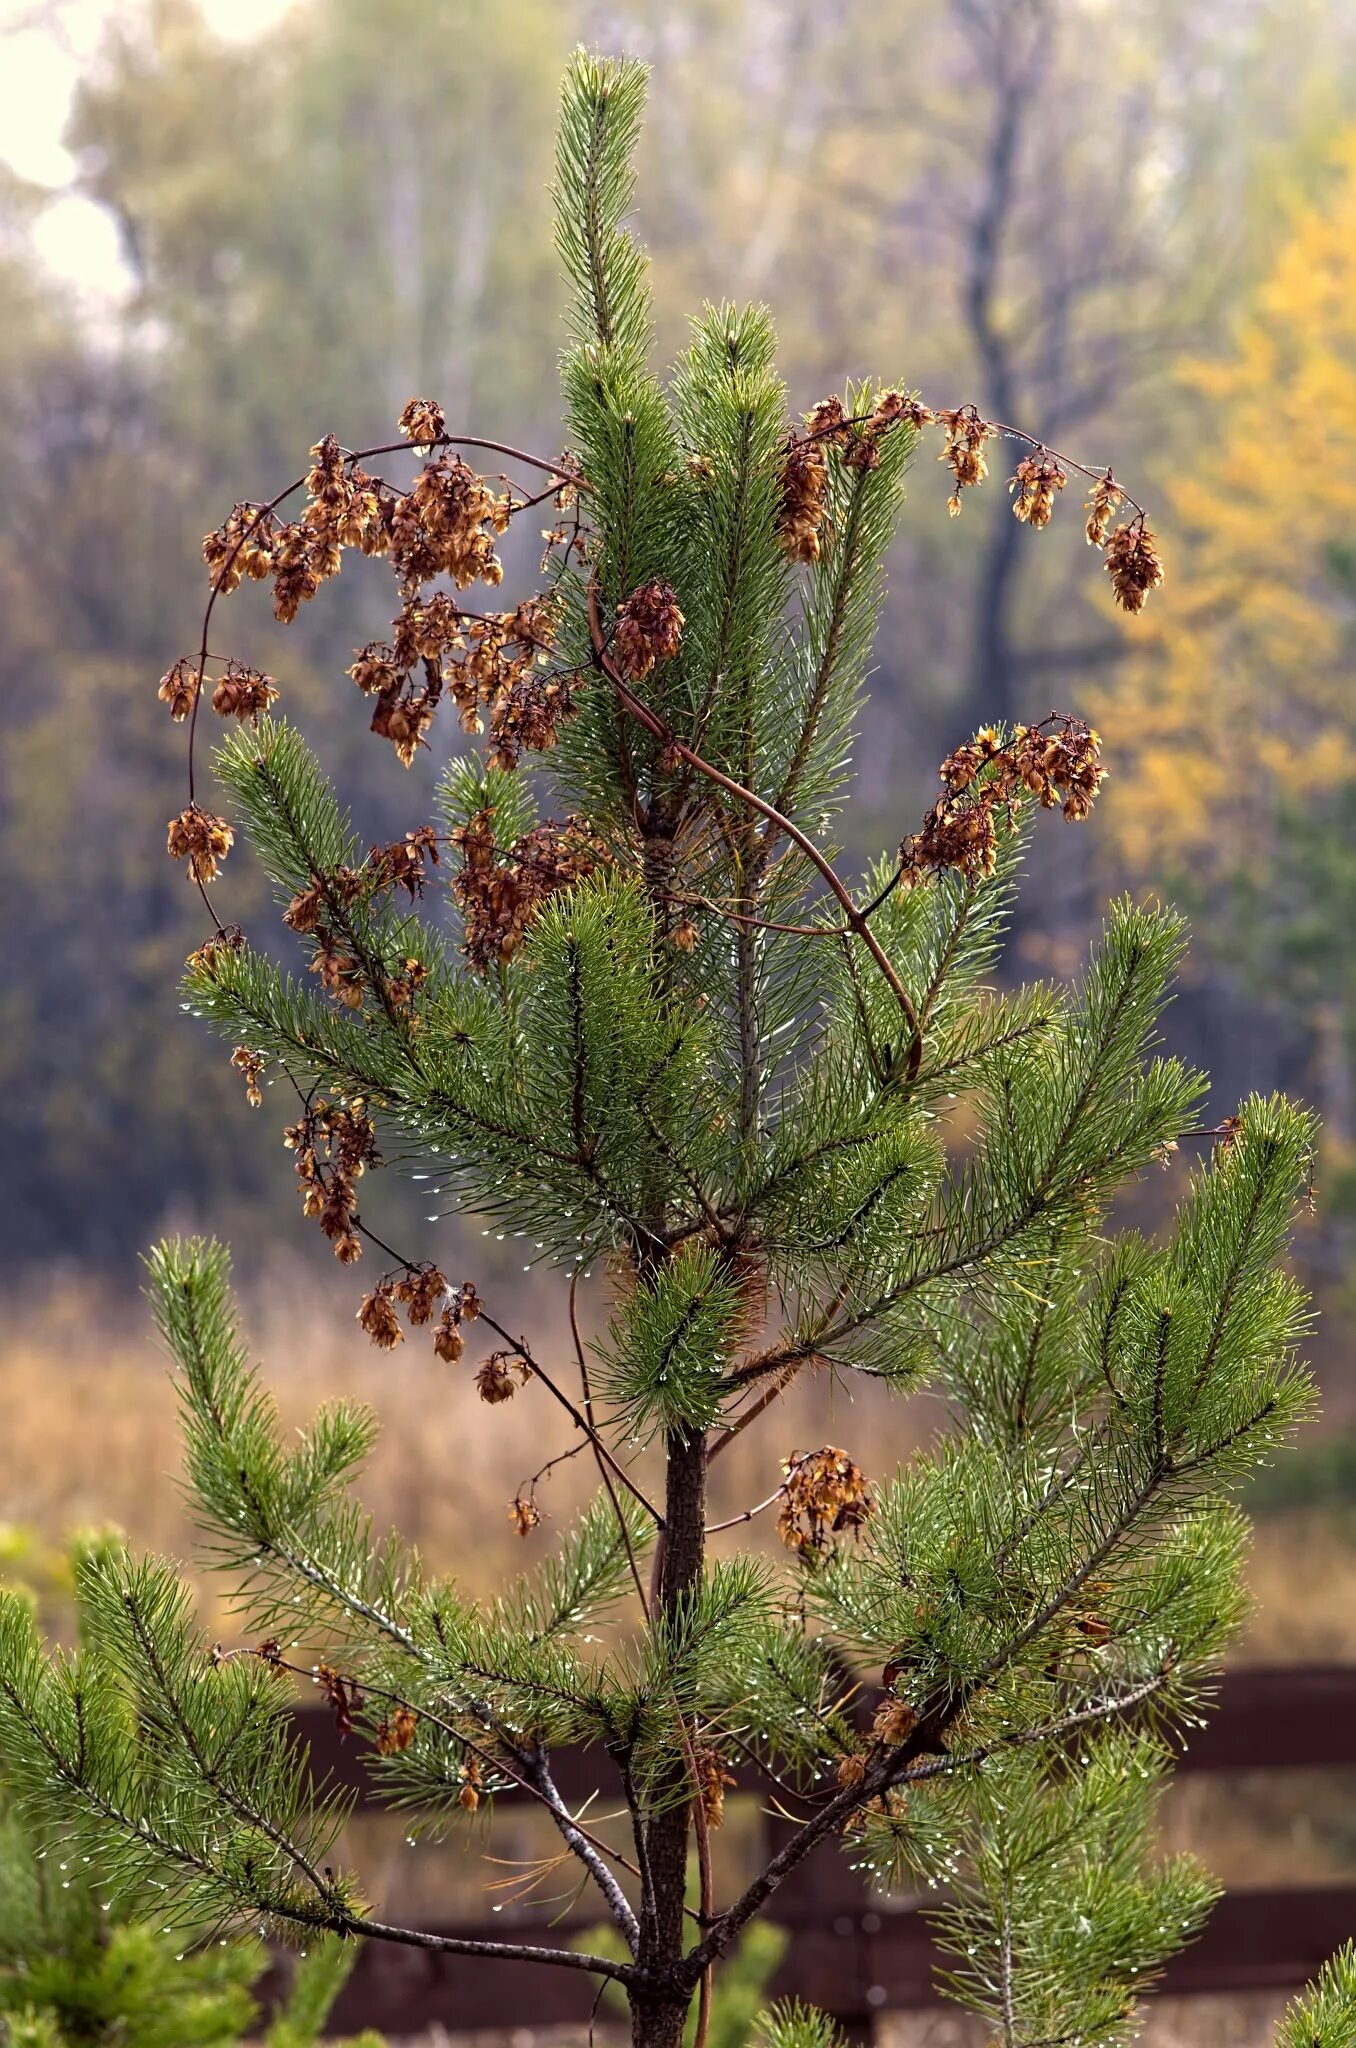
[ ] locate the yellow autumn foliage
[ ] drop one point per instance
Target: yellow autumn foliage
(1240, 691)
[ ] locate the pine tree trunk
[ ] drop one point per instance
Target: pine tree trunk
(659, 2024)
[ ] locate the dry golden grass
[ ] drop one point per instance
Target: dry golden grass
(91, 1439)
(92, 1428)
(1303, 1578)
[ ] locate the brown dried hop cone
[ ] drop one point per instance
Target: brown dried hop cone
(824, 1493)
(250, 1065)
(1034, 483)
(422, 421)
(1134, 565)
(649, 629)
(1101, 505)
(243, 545)
(524, 1513)
(966, 434)
(201, 839)
(179, 687)
(802, 516)
(500, 1377)
(243, 693)
(421, 1289)
(377, 1315)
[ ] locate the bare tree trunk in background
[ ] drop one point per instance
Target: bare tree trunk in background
(1332, 1073)
(1012, 46)
(475, 217)
(803, 34)
(404, 242)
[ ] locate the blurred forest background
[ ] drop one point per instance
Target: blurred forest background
(1130, 229)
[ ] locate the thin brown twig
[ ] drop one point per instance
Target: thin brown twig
(998, 428)
(714, 1528)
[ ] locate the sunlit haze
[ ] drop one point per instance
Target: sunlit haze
(43, 52)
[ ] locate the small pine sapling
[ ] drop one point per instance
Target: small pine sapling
(683, 1055)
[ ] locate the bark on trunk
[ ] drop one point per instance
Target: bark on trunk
(658, 2022)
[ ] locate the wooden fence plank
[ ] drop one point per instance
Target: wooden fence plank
(1265, 1720)
(855, 1958)
(851, 1966)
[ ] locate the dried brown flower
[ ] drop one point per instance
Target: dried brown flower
(824, 1492)
(341, 973)
(1058, 762)
(464, 1307)
(403, 988)
(404, 718)
(826, 420)
(346, 508)
(894, 1721)
(202, 840)
(377, 1315)
(803, 514)
(446, 524)
(375, 669)
(343, 1694)
(1100, 505)
(306, 911)
(712, 1781)
(179, 687)
(954, 835)
(899, 406)
(204, 958)
(427, 628)
(469, 1795)
(851, 1770)
(251, 1065)
(244, 693)
(500, 1377)
(396, 1732)
(1133, 563)
(524, 1513)
(649, 629)
(421, 1289)
(1227, 1135)
(862, 449)
(243, 545)
(423, 422)
(500, 893)
(300, 565)
(335, 1143)
(448, 1342)
(401, 865)
(1034, 483)
(966, 434)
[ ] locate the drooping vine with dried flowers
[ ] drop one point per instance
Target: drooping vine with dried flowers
(719, 1083)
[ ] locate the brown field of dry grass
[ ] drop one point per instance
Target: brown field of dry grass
(92, 1429)
(91, 1439)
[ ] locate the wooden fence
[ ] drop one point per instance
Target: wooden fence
(854, 1957)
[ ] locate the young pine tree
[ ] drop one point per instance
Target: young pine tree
(783, 1121)
(79, 1969)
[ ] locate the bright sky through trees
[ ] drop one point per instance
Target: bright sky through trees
(44, 49)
